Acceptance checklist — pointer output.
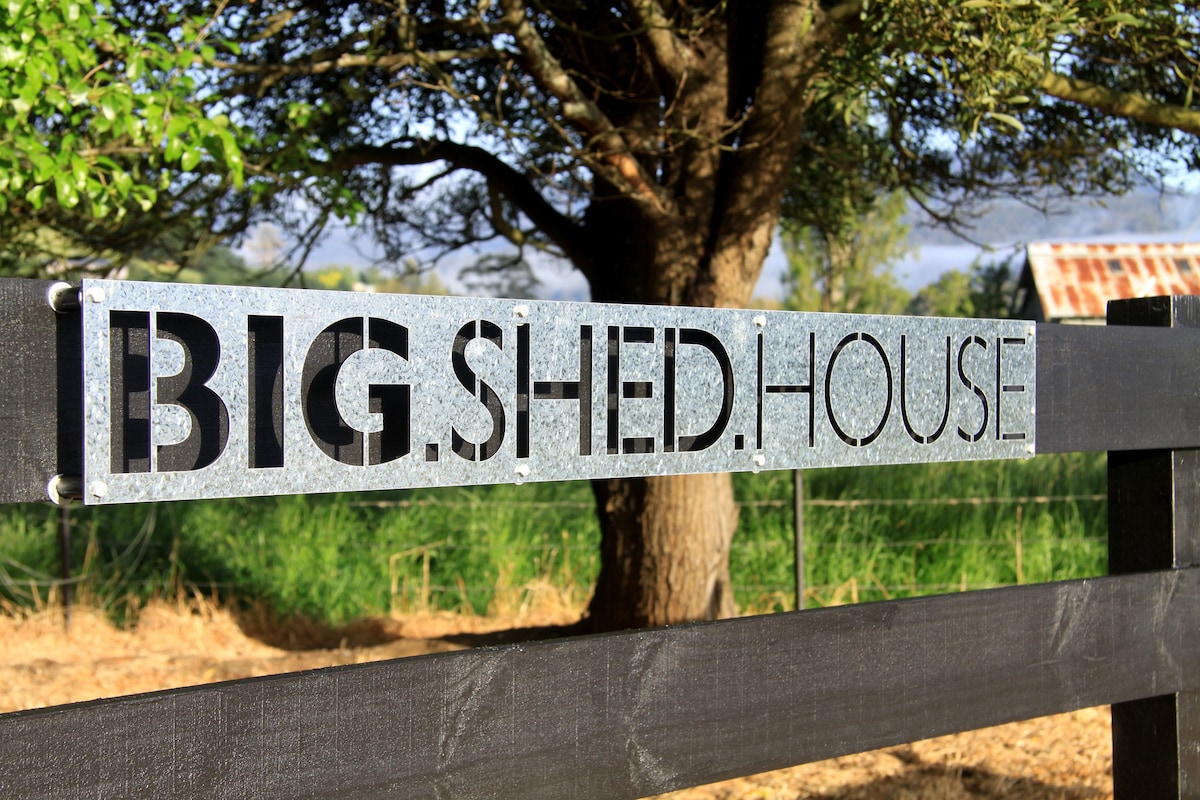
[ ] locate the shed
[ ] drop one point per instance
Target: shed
(1073, 282)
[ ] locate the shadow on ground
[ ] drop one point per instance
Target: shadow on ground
(298, 633)
(924, 781)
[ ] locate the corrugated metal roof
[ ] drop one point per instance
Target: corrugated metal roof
(1075, 281)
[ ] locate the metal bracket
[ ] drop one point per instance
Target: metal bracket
(63, 297)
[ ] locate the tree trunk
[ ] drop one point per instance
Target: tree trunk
(665, 540)
(664, 551)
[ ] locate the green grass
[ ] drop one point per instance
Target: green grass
(871, 552)
(335, 558)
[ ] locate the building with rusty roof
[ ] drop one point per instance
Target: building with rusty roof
(1073, 282)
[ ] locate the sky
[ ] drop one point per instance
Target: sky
(1142, 217)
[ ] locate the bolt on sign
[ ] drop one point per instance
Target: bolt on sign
(212, 391)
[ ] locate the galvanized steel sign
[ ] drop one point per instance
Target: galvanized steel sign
(211, 391)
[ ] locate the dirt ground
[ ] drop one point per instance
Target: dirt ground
(1066, 757)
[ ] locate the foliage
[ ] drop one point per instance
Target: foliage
(410, 281)
(848, 266)
(525, 117)
(948, 296)
(986, 290)
(348, 278)
(217, 265)
(101, 122)
(1016, 100)
(993, 287)
(501, 276)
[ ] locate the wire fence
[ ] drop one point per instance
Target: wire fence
(878, 552)
(815, 502)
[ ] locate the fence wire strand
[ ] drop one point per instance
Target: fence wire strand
(20, 580)
(816, 502)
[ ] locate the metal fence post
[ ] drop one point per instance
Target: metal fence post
(798, 531)
(1154, 523)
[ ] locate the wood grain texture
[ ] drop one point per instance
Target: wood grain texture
(627, 715)
(1154, 500)
(39, 353)
(1098, 388)
(1113, 388)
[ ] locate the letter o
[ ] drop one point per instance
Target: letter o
(887, 407)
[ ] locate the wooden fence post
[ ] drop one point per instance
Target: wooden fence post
(1154, 523)
(41, 380)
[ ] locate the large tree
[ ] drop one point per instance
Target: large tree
(651, 143)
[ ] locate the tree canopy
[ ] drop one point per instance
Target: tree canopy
(528, 117)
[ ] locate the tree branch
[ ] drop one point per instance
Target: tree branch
(1117, 103)
(273, 72)
(669, 53)
(579, 110)
(561, 229)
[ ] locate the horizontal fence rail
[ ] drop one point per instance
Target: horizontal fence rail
(1094, 385)
(1117, 388)
(627, 715)
(637, 713)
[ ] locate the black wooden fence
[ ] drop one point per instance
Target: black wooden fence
(632, 714)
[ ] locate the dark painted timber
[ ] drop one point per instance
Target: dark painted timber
(41, 379)
(1098, 388)
(1153, 503)
(627, 715)
(1117, 388)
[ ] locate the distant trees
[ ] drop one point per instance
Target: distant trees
(983, 290)
(847, 264)
(373, 279)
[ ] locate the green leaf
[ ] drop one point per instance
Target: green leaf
(77, 92)
(36, 196)
(135, 67)
(79, 171)
(178, 125)
(191, 157)
(122, 183)
(109, 107)
(1007, 119)
(44, 167)
(1123, 18)
(233, 157)
(174, 149)
(64, 190)
(11, 56)
(144, 196)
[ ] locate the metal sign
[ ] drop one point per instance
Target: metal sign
(212, 391)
